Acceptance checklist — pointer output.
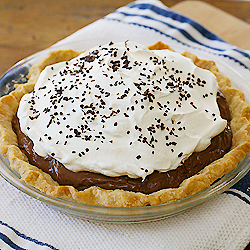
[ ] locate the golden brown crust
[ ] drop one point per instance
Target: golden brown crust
(240, 113)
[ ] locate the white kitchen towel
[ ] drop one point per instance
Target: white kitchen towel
(220, 223)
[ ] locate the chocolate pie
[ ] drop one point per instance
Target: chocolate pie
(124, 125)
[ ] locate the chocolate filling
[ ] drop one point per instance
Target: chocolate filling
(220, 145)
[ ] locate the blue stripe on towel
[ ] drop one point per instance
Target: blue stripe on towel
(8, 241)
(177, 17)
(182, 31)
(243, 186)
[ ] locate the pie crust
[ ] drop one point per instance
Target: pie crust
(240, 125)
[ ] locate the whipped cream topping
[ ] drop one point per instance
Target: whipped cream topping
(122, 109)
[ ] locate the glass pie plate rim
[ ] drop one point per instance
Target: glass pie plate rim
(107, 214)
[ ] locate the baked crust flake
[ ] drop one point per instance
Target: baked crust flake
(240, 125)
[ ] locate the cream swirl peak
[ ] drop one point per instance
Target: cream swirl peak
(122, 109)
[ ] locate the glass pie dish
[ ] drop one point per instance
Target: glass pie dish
(17, 75)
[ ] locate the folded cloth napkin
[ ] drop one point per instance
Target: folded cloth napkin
(220, 223)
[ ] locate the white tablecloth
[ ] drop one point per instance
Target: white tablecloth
(220, 223)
